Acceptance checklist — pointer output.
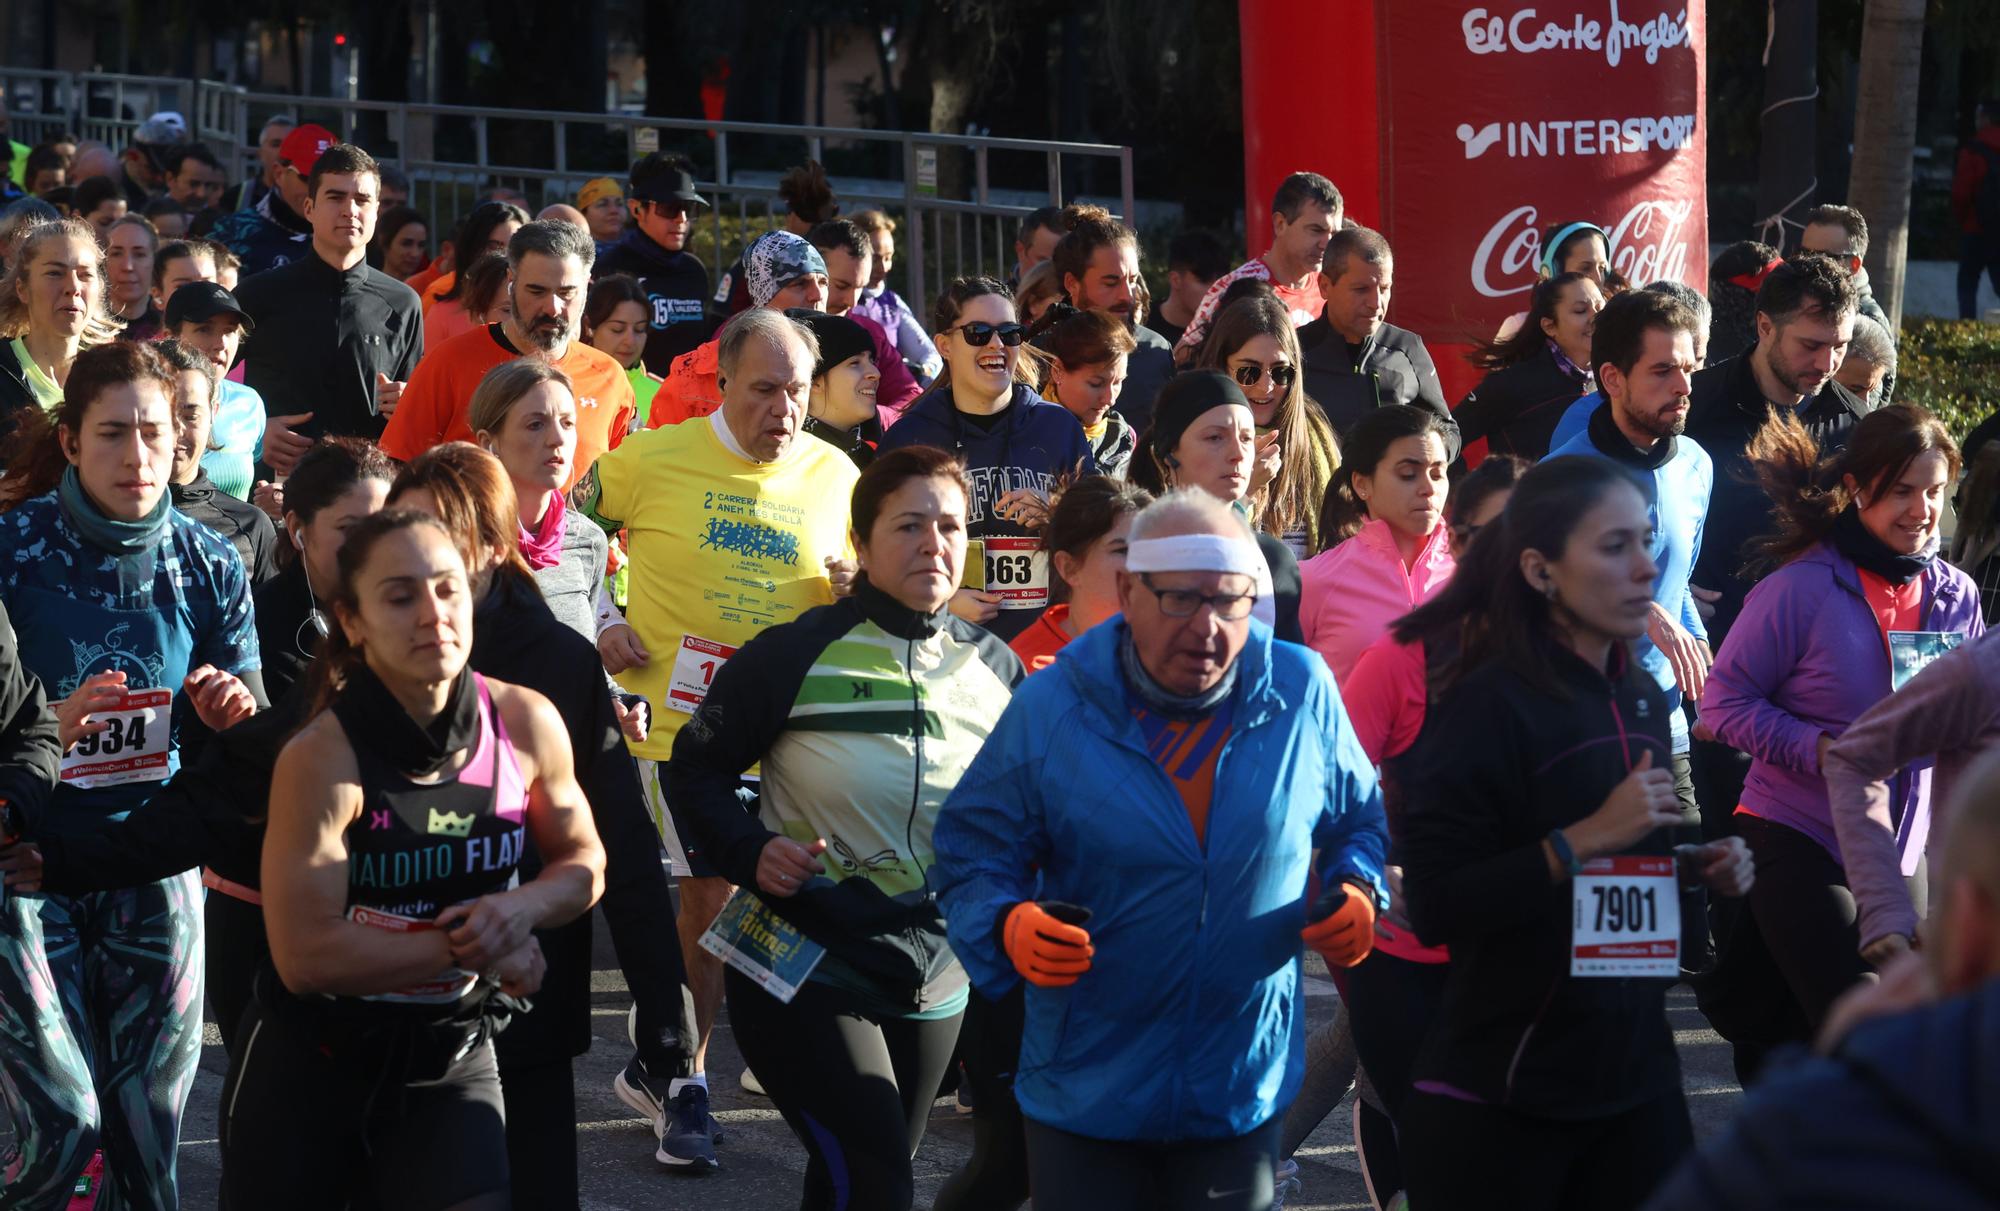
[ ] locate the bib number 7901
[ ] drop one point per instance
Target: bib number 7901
(1626, 918)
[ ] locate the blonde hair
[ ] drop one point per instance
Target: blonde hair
(503, 387)
(872, 222)
(99, 325)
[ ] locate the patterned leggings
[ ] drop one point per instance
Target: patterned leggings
(100, 1032)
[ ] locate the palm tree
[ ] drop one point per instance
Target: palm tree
(1885, 136)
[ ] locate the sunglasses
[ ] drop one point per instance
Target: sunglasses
(978, 334)
(1284, 374)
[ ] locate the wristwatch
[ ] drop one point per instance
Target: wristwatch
(1564, 854)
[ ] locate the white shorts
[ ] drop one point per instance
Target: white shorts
(663, 820)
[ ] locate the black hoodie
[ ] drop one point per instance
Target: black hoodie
(676, 286)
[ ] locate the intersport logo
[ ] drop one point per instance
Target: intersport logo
(1646, 245)
(1583, 137)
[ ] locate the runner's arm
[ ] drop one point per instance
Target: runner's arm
(1350, 834)
(315, 796)
(559, 817)
(743, 714)
(1761, 651)
(29, 753)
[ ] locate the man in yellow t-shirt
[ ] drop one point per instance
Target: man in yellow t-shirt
(735, 522)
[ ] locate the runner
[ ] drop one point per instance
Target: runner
(654, 251)
(527, 645)
(372, 1030)
(783, 272)
(1478, 497)
(175, 264)
(402, 244)
(550, 264)
(849, 257)
(739, 499)
(1354, 359)
(615, 322)
(851, 1045)
(1385, 512)
(129, 246)
(246, 526)
(1165, 871)
(885, 306)
(1856, 602)
(1548, 1077)
(1305, 212)
(809, 200)
(1087, 353)
(1253, 341)
(1533, 376)
(1580, 248)
(488, 229)
(602, 203)
(1204, 436)
(1085, 538)
(52, 300)
(208, 319)
(273, 229)
(1097, 265)
(336, 484)
(843, 408)
(121, 606)
(1015, 446)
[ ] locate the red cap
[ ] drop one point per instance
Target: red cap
(301, 149)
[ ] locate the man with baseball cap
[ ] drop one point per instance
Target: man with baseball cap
(208, 319)
(782, 271)
(653, 249)
(602, 202)
(275, 231)
(144, 160)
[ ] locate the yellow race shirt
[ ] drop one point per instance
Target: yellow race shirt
(721, 548)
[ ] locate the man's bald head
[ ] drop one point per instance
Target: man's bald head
(564, 213)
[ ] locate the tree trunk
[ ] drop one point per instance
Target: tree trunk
(1885, 137)
(1787, 172)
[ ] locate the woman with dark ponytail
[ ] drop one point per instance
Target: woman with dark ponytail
(1534, 375)
(1855, 602)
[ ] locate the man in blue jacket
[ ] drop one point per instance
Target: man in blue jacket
(1135, 841)
(1643, 351)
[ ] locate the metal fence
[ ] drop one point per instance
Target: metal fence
(954, 219)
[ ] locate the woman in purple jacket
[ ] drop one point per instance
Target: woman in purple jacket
(1858, 601)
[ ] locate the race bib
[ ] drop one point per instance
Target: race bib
(445, 988)
(756, 941)
(1911, 652)
(132, 749)
(1627, 918)
(1017, 570)
(695, 666)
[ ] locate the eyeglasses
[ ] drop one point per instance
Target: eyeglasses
(1283, 375)
(977, 334)
(1186, 603)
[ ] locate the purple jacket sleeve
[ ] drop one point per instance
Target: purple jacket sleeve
(1763, 648)
(1945, 707)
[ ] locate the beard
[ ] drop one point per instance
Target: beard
(1659, 426)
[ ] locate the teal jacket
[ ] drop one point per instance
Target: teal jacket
(1190, 1023)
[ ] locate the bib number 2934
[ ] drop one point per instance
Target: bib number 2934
(1627, 918)
(133, 746)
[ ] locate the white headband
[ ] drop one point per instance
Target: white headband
(1196, 553)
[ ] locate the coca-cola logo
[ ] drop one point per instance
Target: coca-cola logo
(1646, 246)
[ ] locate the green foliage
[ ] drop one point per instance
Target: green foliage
(1951, 367)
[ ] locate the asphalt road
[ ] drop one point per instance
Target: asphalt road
(762, 1164)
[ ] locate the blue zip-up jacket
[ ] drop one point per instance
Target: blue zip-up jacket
(1575, 419)
(1190, 1023)
(1682, 478)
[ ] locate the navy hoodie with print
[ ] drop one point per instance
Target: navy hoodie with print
(1033, 444)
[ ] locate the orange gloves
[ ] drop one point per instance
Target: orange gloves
(1047, 952)
(1345, 936)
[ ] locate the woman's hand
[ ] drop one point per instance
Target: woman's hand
(840, 573)
(785, 865)
(98, 692)
(975, 605)
(1269, 462)
(1725, 867)
(1025, 507)
(21, 863)
(1641, 803)
(218, 697)
(520, 972)
(489, 929)
(632, 720)
(620, 649)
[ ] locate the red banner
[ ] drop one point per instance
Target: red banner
(1489, 123)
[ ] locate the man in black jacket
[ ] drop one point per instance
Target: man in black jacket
(336, 339)
(1355, 360)
(654, 250)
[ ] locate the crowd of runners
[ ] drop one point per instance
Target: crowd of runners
(1006, 699)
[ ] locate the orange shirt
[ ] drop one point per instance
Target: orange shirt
(436, 290)
(1896, 607)
(435, 405)
(445, 321)
(1037, 646)
(1186, 752)
(690, 389)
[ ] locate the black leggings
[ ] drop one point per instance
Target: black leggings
(1078, 1173)
(1390, 1003)
(235, 948)
(995, 1176)
(316, 1121)
(855, 1089)
(1473, 1156)
(541, 1134)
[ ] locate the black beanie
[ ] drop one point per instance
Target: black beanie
(1185, 397)
(839, 337)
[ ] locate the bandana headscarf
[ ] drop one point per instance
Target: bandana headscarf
(776, 259)
(593, 191)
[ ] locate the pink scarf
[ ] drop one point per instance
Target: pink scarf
(542, 547)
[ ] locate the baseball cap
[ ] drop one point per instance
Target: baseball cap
(198, 301)
(664, 178)
(303, 147)
(597, 190)
(157, 134)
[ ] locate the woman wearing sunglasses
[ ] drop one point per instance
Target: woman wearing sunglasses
(1297, 453)
(1386, 513)
(1015, 446)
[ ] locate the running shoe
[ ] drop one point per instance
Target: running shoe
(751, 1084)
(638, 1089)
(687, 1135)
(1285, 1183)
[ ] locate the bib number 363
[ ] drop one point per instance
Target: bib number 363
(1627, 918)
(1017, 571)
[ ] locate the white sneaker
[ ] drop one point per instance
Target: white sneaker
(751, 1084)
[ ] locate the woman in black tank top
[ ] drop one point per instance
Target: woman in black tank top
(398, 924)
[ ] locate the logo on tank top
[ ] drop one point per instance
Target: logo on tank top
(449, 824)
(142, 670)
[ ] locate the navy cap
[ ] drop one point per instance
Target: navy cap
(199, 301)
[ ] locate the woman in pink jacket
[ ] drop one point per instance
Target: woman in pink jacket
(1385, 509)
